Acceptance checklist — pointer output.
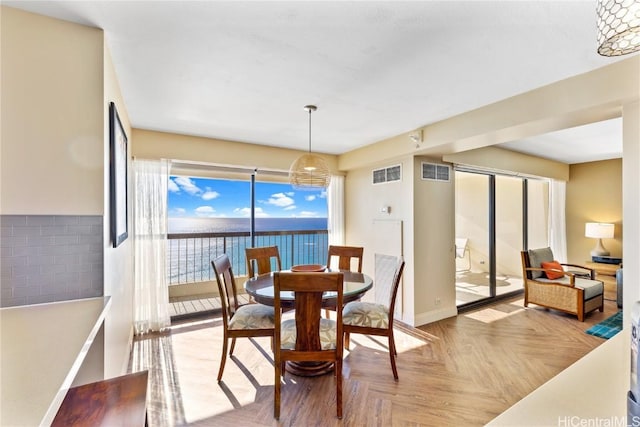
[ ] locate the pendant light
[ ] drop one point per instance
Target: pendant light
(309, 171)
(618, 27)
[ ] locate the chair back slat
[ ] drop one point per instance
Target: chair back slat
(345, 254)
(266, 260)
(226, 286)
(308, 289)
(307, 306)
(385, 268)
(397, 276)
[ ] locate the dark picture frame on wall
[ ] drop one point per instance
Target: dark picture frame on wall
(119, 178)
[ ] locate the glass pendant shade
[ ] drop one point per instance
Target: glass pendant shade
(618, 27)
(309, 171)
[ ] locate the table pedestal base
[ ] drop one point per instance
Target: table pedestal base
(309, 369)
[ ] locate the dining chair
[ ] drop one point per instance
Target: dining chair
(248, 320)
(263, 258)
(377, 318)
(345, 254)
(307, 337)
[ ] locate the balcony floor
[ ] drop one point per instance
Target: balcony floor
(193, 305)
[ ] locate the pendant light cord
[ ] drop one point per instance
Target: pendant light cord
(309, 130)
(310, 109)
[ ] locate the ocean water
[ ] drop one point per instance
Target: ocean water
(225, 225)
(189, 260)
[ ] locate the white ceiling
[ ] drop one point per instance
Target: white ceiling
(243, 70)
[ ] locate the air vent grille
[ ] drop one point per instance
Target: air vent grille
(436, 172)
(388, 174)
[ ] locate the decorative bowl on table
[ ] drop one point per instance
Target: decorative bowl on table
(307, 268)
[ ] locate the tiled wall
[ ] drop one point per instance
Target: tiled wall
(46, 258)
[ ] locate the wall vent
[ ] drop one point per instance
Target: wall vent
(388, 174)
(436, 172)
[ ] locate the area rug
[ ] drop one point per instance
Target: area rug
(608, 327)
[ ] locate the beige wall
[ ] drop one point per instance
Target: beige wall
(155, 145)
(118, 262)
(594, 194)
(57, 80)
(434, 247)
(51, 138)
(363, 203)
(498, 159)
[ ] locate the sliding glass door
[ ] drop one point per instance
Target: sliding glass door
(496, 217)
(508, 233)
(472, 237)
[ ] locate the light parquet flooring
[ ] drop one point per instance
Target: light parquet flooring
(461, 371)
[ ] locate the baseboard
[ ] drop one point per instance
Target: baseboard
(435, 315)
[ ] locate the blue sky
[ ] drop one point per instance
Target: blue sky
(214, 198)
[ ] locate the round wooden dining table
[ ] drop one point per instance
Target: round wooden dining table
(355, 285)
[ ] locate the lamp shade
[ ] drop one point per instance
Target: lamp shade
(309, 172)
(618, 27)
(599, 230)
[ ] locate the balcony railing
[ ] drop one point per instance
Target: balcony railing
(190, 254)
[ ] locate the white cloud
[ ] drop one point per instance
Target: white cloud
(308, 214)
(281, 200)
(310, 198)
(210, 195)
(188, 185)
(289, 208)
(179, 211)
(172, 186)
(323, 194)
(290, 193)
(247, 211)
(206, 211)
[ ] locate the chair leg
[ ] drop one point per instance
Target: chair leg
(392, 355)
(338, 368)
(276, 390)
(392, 343)
(346, 340)
(223, 359)
(233, 346)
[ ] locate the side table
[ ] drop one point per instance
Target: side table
(607, 274)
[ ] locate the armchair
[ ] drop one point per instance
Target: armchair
(570, 291)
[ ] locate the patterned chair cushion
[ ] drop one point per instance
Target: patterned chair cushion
(253, 316)
(366, 314)
(327, 334)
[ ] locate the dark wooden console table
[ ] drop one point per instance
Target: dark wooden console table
(120, 401)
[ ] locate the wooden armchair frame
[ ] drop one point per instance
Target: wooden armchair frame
(565, 297)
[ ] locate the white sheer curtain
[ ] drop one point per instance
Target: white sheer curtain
(335, 205)
(557, 219)
(151, 296)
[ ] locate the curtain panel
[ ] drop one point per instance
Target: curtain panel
(151, 296)
(557, 220)
(335, 207)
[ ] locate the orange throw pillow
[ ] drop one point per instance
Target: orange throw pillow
(552, 274)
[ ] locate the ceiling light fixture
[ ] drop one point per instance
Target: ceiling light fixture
(618, 27)
(309, 171)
